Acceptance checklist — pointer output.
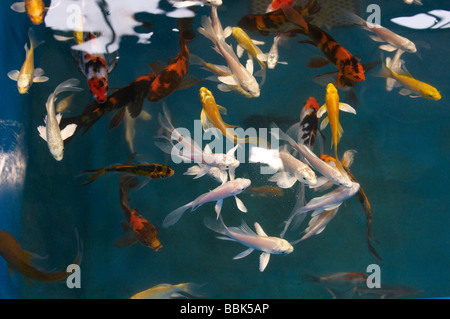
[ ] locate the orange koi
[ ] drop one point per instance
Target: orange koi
(335, 53)
(276, 22)
(35, 9)
(142, 230)
(275, 4)
(173, 76)
(347, 161)
(19, 260)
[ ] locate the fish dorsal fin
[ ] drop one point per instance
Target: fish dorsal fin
(157, 67)
(259, 230)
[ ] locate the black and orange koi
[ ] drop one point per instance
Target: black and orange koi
(335, 53)
(275, 22)
(174, 75)
(153, 171)
(346, 161)
(143, 231)
(131, 97)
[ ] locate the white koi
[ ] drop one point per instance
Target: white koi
(393, 40)
(273, 56)
(190, 3)
(255, 241)
(240, 75)
(51, 132)
(228, 189)
(329, 172)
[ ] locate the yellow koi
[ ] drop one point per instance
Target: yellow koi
(410, 84)
(248, 44)
(168, 291)
(210, 118)
(28, 74)
(332, 107)
(34, 8)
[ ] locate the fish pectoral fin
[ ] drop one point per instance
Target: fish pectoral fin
(405, 91)
(239, 50)
(38, 72)
(263, 261)
(317, 62)
(243, 254)
(206, 123)
(346, 108)
(376, 38)
(19, 7)
(126, 240)
(324, 123)
(240, 205)
(283, 179)
(322, 184)
(387, 47)
(68, 131)
(322, 110)
(249, 65)
(228, 79)
(224, 87)
(222, 110)
(187, 82)
(205, 169)
(218, 207)
(257, 42)
(14, 75)
(40, 79)
(227, 31)
(157, 67)
(42, 132)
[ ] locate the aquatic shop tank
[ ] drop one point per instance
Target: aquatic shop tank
(155, 144)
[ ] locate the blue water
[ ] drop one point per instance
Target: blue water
(402, 149)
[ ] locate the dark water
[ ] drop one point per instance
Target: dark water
(402, 149)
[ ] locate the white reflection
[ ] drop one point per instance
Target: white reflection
(434, 19)
(12, 156)
(112, 19)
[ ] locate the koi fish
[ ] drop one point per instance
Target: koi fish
(28, 74)
(275, 4)
(242, 76)
(276, 22)
(51, 132)
(273, 57)
(173, 76)
(388, 291)
(290, 168)
(218, 70)
(192, 152)
(189, 3)
(412, 87)
(332, 107)
(318, 223)
(211, 118)
(264, 191)
(35, 9)
(151, 171)
(142, 230)
(95, 68)
(349, 281)
(383, 34)
(347, 160)
(18, 259)
(218, 194)
(343, 83)
(327, 202)
(214, 172)
(245, 43)
(418, 2)
(131, 97)
(335, 53)
(255, 241)
(168, 291)
(329, 172)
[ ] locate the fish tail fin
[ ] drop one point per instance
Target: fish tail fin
(216, 225)
(165, 120)
(385, 71)
(196, 290)
(68, 85)
(350, 17)
(175, 215)
(34, 43)
(93, 175)
(207, 30)
(293, 16)
(310, 278)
